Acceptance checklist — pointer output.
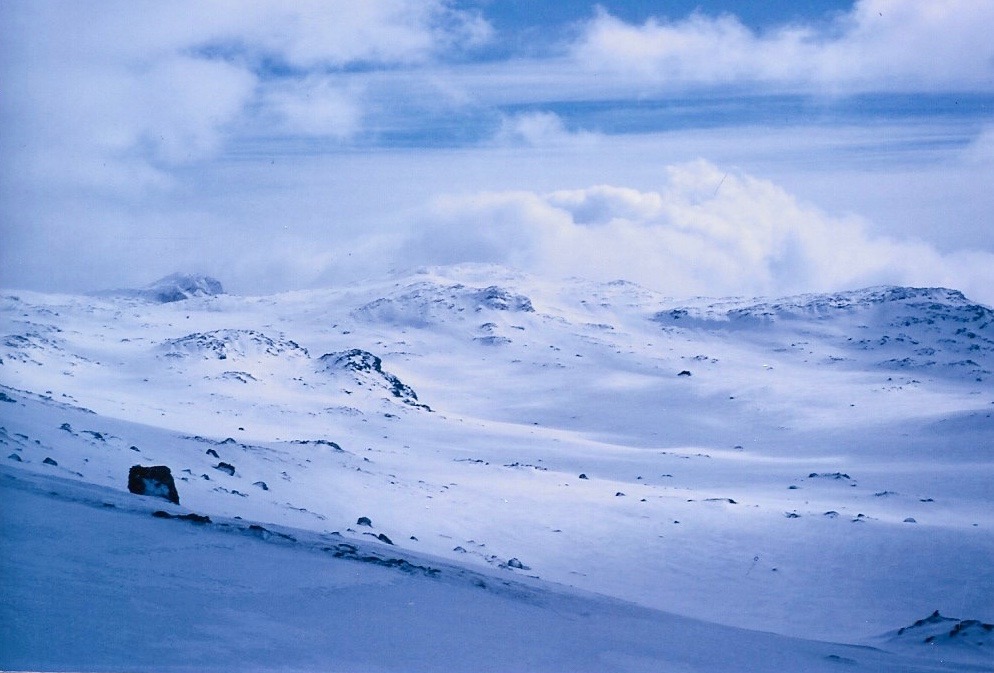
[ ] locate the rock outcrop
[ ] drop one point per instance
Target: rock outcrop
(155, 481)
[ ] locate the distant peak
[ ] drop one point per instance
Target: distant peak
(180, 286)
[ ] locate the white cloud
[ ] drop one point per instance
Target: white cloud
(879, 45)
(97, 92)
(539, 129)
(180, 105)
(315, 106)
(707, 231)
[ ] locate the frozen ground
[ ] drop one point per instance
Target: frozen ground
(598, 478)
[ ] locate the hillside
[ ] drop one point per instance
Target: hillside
(733, 475)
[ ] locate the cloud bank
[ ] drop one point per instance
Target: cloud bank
(881, 45)
(706, 231)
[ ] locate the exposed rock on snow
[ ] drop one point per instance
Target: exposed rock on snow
(155, 481)
(195, 518)
(368, 368)
(936, 630)
(234, 344)
(227, 468)
(499, 299)
(933, 329)
(426, 303)
(829, 475)
(319, 442)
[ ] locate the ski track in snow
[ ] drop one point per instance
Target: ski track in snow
(814, 467)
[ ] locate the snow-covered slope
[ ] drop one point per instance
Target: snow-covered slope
(816, 467)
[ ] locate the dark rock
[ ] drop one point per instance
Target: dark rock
(226, 467)
(685, 372)
(383, 538)
(319, 442)
(515, 563)
(134, 448)
(364, 521)
(619, 494)
(195, 518)
(49, 461)
(15, 457)
(156, 481)
(261, 484)
(4, 397)
(264, 533)
(212, 452)
(841, 660)
(66, 427)
(792, 515)
(583, 476)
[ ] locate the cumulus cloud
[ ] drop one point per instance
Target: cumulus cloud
(95, 92)
(879, 45)
(707, 231)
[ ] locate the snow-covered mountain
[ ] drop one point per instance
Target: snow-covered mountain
(594, 461)
(174, 287)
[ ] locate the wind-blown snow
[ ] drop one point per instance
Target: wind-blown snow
(811, 469)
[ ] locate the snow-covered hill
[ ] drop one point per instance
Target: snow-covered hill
(816, 467)
(174, 287)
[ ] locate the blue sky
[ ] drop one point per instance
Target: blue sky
(711, 147)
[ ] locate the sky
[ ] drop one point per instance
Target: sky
(717, 147)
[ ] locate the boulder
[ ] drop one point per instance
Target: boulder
(156, 481)
(226, 467)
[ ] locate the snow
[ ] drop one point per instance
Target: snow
(765, 497)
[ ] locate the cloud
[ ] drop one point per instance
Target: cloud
(707, 231)
(539, 129)
(315, 106)
(881, 45)
(115, 92)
